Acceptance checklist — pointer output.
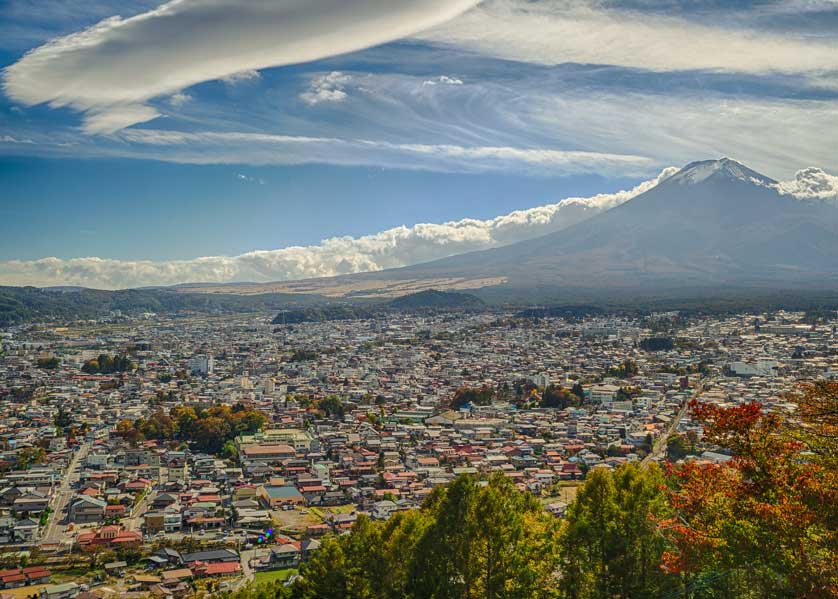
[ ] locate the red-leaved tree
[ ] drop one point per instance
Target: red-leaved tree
(765, 523)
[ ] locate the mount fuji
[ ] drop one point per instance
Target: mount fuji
(714, 223)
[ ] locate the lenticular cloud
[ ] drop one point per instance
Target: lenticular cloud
(111, 69)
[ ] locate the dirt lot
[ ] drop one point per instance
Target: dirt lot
(295, 521)
(24, 592)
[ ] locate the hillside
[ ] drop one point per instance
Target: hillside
(424, 301)
(23, 304)
(433, 299)
(713, 224)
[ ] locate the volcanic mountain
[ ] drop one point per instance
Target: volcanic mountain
(713, 223)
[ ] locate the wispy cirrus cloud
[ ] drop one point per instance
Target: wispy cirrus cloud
(606, 33)
(400, 246)
(264, 149)
(110, 70)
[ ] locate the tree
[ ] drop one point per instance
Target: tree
(556, 396)
(484, 541)
(51, 363)
(625, 370)
(326, 575)
(468, 541)
(229, 450)
(579, 391)
(610, 546)
(30, 455)
(303, 355)
(764, 524)
(210, 434)
(655, 344)
(63, 418)
(106, 364)
(482, 396)
(184, 417)
(128, 430)
(677, 448)
(817, 426)
(90, 367)
(332, 407)
(158, 426)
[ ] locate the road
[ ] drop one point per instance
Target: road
(134, 520)
(659, 447)
(247, 572)
(54, 532)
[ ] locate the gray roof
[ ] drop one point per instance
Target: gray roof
(211, 556)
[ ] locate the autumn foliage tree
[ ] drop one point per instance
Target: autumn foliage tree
(481, 396)
(208, 429)
(764, 524)
(556, 396)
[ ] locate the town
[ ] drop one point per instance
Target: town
(175, 454)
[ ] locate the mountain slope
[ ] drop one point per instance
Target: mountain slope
(712, 223)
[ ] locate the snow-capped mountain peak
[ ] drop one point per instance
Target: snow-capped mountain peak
(724, 168)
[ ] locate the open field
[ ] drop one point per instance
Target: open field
(564, 492)
(273, 576)
(337, 287)
(341, 509)
(294, 522)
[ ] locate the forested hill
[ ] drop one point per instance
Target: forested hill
(422, 302)
(22, 304)
(433, 299)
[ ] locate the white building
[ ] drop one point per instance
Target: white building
(758, 368)
(604, 393)
(202, 364)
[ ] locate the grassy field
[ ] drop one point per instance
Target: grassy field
(342, 509)
(565, 492)
(273, 576)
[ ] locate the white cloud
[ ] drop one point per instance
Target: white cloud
(264, 149)
(400, 246)
(179, 99)
(8, 139)
(112, 69)
(443, 80)
(395, 247)
(248, 179)
(116, 117)
(811, 184)
(583, 32)
(241, 77)
(682, 129)
(326, 89)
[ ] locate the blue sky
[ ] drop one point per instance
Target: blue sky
(296, 138)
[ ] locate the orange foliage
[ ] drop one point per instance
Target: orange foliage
(770, 511)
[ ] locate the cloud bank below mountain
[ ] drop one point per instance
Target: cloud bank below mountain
(400, 246)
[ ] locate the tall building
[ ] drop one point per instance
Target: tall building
(201, 364)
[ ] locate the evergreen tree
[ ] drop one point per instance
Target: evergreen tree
(610, 545)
